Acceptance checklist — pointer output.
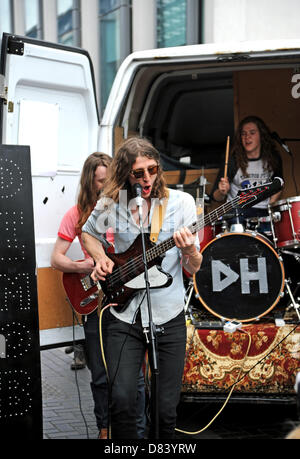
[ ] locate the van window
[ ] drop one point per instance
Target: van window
(190, 118)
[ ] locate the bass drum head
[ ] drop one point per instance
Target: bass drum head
(241, 277)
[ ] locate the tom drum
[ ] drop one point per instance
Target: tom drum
(285, 222)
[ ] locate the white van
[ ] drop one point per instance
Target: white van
(186, 100)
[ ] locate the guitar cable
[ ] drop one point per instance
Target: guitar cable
(229, 395)
(239, 378)
(76, 375)
(103, 353)
(105, 366)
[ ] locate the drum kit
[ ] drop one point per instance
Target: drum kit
(250, 268)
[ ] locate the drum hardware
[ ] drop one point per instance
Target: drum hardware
(256, 222)
(276, 217)
(199, 324)
(272, 226)
(292, 222)
(188, 296)
(224, 226)
(293, 254)
(293, 302)
(237, 227)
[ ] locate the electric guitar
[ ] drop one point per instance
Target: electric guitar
(127, 277)
(82, 292)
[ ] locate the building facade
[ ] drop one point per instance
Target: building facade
(111, 29)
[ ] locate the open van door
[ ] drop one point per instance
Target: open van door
(48, 102)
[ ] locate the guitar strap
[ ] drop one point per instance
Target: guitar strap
(158, 218)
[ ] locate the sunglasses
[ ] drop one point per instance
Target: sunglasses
(139, 173)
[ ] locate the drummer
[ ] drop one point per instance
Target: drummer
(254, 161)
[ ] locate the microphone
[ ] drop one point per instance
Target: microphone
(137, 191)
(278, 139)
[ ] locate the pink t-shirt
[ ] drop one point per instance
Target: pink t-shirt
(67, 229)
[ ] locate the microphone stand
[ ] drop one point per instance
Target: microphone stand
(282, 143)
(152, 340)
(290, 140)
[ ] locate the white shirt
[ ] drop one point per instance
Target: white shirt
(256, 176)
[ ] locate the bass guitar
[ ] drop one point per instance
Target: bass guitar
(127, 277)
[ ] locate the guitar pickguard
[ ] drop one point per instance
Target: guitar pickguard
(125, 293)
(157, 279)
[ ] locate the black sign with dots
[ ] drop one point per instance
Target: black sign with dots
(20, 370)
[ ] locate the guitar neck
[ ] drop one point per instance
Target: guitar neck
(210, 218)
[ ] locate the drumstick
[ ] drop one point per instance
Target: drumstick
(226, 157)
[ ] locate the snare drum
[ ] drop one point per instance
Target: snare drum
(241, 276)
(285, 222)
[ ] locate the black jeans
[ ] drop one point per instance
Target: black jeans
(126, 346)
(99, 385)
(96, 366)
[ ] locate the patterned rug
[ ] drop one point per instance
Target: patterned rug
(214, 359)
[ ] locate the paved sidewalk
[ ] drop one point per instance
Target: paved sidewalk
(63, 394)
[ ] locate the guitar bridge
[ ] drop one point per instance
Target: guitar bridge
(87, 283)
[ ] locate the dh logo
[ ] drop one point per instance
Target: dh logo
(220, 283)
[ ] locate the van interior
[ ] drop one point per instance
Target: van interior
(189, 111)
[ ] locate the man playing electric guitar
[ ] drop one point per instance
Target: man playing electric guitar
(92, 179)
(137, 161)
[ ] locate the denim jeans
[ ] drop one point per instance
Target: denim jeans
(126, 347)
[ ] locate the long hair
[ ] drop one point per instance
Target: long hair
(88, 196)
(268, 151)
(122, 164)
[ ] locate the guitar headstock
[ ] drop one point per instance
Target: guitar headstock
(254, 195)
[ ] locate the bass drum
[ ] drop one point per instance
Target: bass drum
(241, 277)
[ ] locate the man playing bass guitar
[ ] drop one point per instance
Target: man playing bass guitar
(138, 162)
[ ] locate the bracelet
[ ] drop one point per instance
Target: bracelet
(186, 259)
